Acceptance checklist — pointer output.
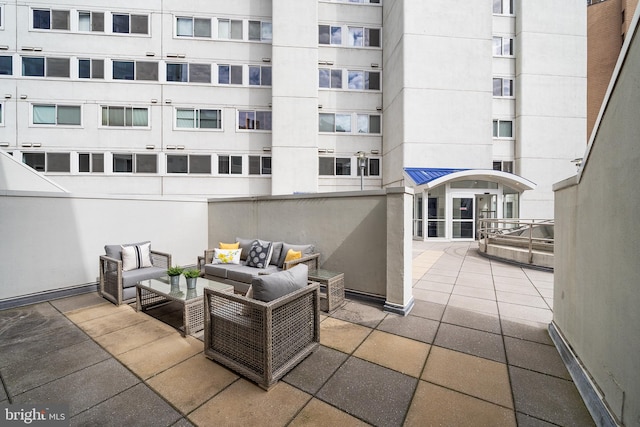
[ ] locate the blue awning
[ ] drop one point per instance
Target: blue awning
(432, 177)
(424, 175)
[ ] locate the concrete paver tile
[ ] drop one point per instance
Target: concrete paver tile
(383, 349)
(317, 412)
(341, 335)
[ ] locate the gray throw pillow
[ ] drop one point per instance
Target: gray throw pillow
(305, 249)
(245, 245)
(273, 286)
(277, 252)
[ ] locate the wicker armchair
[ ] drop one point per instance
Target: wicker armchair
(120, 286)
(261, 340)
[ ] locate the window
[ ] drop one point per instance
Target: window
(259, 165)
(502, 87)
(125, 116)
(198, 119)
(502, 46)
(260, 75)
(138, 70)
(503, 7)
(193, 27)
(364, 80)
(90, 162)
(194, 73)
(334, 166)
(65, 115)
(230, 29)
(343, 166)
(260, 31)
(256, 120)
(329, 34)
(144, 163)
(503, 166)
(50, 67)
(330, 78)
(6, 65)
(368, 123)
(45, 19)
(182, 163)
(91, 21)
(372, 168)
(130, 24)
(230, 74)
(230, 165)
(330, 122)
(367, 37)
(49, 162)
(502, 129)
(91, 68)
(1, 116)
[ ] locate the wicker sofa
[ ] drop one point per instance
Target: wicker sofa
(240, 275)
(118, 284)
(262, 340)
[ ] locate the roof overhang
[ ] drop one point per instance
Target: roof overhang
(427, 178)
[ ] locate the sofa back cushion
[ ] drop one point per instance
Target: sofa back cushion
(305, 249)
(273, 286)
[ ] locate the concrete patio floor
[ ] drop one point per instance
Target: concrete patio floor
(474, 351)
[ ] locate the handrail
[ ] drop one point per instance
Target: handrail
(516, 232)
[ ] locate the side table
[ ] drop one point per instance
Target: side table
(333, 295)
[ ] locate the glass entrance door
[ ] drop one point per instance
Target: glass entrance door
(463, 218)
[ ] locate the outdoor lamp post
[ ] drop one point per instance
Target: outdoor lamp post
(362, 163)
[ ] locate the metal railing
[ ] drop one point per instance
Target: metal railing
(532, 234)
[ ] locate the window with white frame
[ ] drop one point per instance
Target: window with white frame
(368, 123)
(502, 46)
(189, 118)
(330, 166)
(259, 165)
(114, 116)
(1, 114)
(230, 29)
(192, 73)
(330, 78)
(334, 122)
(49, 19)
(229, 165)
(363, 80)
(125, 23)
(48, 162)
(503, 129)
(90, 21)
(260, 31)
(330, 34)
(189, 163)
(61, 115)
(135, 163)
(363, 37)
(371, 168)
(6, 65)
(90, 162)
(502, 87)
(230, 74)
(135, 70)
(49, 67)
(503, 7)
(504, 166)
(254, 120)
(188, 26)
(259, 75)
(91, 68)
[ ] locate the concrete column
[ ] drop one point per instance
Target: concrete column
(399, 250)
(295, 97)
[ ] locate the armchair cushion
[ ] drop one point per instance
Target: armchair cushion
(273, 286)
(136, 256)
(115, 251)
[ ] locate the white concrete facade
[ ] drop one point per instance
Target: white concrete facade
(407, 82)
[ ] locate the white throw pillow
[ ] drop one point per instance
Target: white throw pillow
(136, 256)
(226, 256)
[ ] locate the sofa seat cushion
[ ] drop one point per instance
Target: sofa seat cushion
(132, 277)
(219, 270)
(245, 274)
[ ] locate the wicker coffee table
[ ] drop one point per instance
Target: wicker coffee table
(332, 295)
(150, 293)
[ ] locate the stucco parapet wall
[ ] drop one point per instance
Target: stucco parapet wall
(365, 193)
(52, 195)
(566, 183)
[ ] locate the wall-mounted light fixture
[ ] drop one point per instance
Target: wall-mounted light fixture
(167, 101)
(26, 144)
(269, 105)
(36, 145)
(37, 49)
(154, 101)
(180, 147)
(266, 59)
(266, 149)
(171, 147)
(374, 65)
(150, 54)
(375, 151)
(4, 144)
(150, 147)
(379, 108)
(322, 150)
(23, 96)
(329, 62)
(4, 47)
(319, 105)
(7, 96)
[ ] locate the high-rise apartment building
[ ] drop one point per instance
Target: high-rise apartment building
(479, 106)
